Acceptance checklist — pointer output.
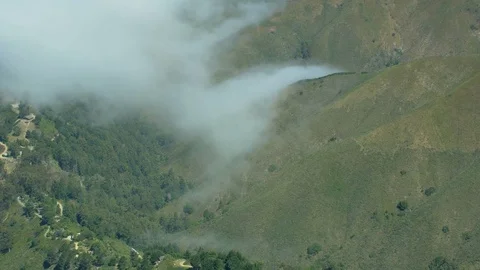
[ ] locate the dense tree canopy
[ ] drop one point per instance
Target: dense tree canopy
(111, 171)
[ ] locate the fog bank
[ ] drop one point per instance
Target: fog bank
(157, 54)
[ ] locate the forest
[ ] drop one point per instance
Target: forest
(110, 181)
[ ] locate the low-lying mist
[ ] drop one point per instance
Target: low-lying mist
(160, 55)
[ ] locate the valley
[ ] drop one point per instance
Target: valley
(374, 166)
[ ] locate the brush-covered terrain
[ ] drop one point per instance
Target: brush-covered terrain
(377, 167)
(381, 176)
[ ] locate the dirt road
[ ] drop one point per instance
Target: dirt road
(60, 206)
(3, 149)
(181, 263)
(22, 204)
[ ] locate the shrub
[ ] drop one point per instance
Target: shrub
(188, 209)
(16, 131)
(208, 215)
(402, 205)
(272, 168)
(303, 51)
(174, 223)
(429, 191)
(33, 243)
(6, 242)
(314, 249)
(445, 229)
(14, 149)
(29, 209)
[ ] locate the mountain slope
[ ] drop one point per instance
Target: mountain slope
(371, 169)
(341, 170)
(362, 35)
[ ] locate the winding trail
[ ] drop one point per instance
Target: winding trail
(3, 147)
(136, 252)
(20, 202)
(60, 206)
(48, 230)
(181, 263)
(6, 217)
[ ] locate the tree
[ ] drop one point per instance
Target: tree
(235, 260)
(14, 149)
(34, 242)
(211, 260)
(6, 242)
(146, 265)
(64, 261)
(174, 223)
(7, 194)
(304, 51)
(188, 209)
(33, 135)
(99, 252)
(214, 264)
(66, 257)
(123, 263)
(51, 259)
(24, 110)
(4, 133)
(34, 157)
(113, 261)
(134, 259)
(82, 219)
(29, 209)
(84, 261)
(16, 131)
(48, 214)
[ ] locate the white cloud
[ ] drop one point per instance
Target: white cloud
(153, 53)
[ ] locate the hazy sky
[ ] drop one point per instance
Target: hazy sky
(156, 53)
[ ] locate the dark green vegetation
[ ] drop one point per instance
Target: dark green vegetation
(215, 261)
(440, 263)
(76, 194)
(402, 206)
(106, 173)
(314, 249)
(374, 170)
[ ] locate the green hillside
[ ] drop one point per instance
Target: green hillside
(376, 167)
(78, 195)
(363, 34)
(341, 169)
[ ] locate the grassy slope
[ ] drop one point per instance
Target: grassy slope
(419, 118)
(363, 34)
